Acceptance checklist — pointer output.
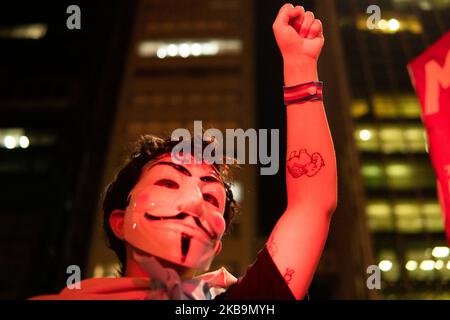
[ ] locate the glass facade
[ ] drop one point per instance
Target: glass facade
(402, 210)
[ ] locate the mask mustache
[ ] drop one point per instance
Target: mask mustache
(181, 216)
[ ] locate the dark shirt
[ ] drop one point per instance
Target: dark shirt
(262, 281)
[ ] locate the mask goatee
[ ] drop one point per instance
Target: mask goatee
(185, 244)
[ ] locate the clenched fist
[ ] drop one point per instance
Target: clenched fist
(300, 39)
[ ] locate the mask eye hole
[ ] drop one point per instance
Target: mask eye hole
(167, 183)
(211, 199)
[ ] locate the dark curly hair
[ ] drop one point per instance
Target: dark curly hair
(147, 148)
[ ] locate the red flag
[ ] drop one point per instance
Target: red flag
(430, 75)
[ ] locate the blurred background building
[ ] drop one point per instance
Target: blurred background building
(402, 211)
(73, 101)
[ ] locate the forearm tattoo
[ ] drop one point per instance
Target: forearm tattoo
(288, 275)
(301, 163)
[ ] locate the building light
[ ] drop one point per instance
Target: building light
(398, 170)
(382, 24)
(365, 135)
(196, 49)
(24, 142)
(440, 252)
(172, 50)
(189, 48)
(28, 31)
(439, 265)
(448, 265)
(385, 265)
(184, 50)
(161, 53)
(10, 142)
(393, 25)
(425, 5)
(12, 138)
(378, 209)
(411, 265)
(371, 170)
(210, 48)
(427, 265)
(404, 22)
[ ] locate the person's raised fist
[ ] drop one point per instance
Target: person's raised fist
(298, 34)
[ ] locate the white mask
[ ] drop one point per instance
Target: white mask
(176, 211)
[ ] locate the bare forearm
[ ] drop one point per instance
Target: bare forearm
(310, 160)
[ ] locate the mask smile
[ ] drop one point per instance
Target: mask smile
(182, 216)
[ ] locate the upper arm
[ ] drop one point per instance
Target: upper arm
(296, 244)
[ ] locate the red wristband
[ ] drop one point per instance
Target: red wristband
(310, 91)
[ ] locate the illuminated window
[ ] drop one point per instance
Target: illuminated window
(414, 138)
(409, 106)
(422, 265)
(408, 218)
(391, 23)
(13, 138)
(411, 265)
(385, 107)
(433, 219)
(379, 216)
(189, 48)
(401, 175)
(391, 138)
(373, 175)
(366, 137)
(402, 139)
(440, 252)
(18, 138)
(401, 106)
(28, 31)
(385, 265)
(405, 216)
(398, 175)
(359, 108)
(389, 265)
